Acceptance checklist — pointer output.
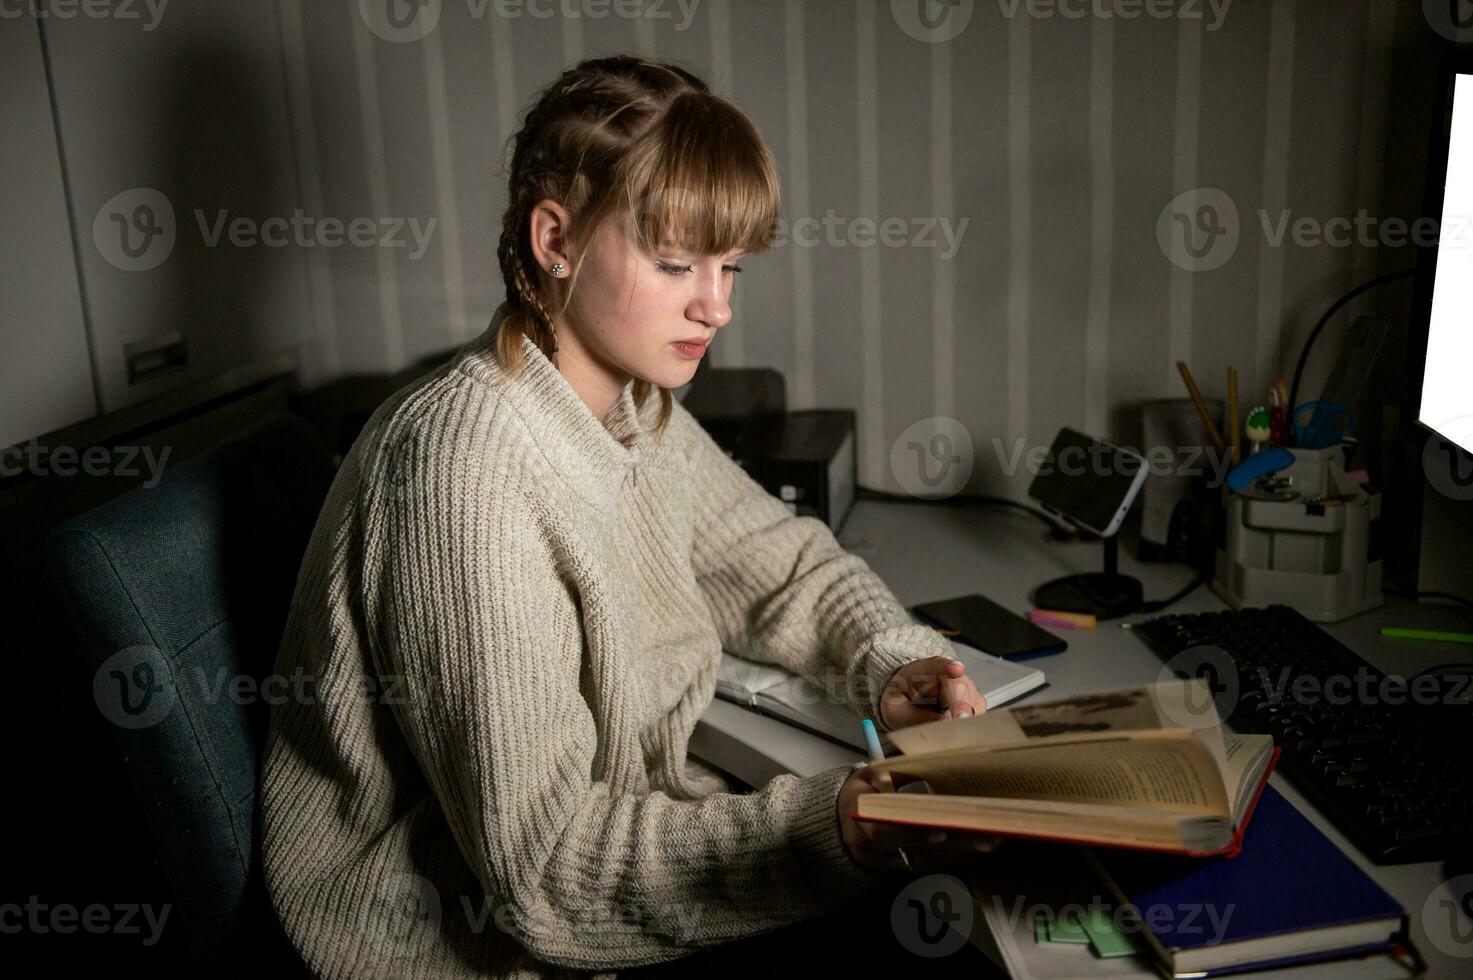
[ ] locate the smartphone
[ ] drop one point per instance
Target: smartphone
(1089, 481)
(979, 622)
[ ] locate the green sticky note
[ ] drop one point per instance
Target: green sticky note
(1067, 930)
(1104, 938)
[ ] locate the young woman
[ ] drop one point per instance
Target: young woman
(516, 595)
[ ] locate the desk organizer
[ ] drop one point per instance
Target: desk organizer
(1313, 557)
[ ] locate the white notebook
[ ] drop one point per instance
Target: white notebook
(778, 692)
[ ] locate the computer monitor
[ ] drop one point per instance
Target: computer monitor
(1433, 470)
(1441, 349)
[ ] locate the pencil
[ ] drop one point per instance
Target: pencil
(1232, 416)
(1186, 375)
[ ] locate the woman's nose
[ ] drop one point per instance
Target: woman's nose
(712, 308)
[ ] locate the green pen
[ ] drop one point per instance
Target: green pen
(1400, 633)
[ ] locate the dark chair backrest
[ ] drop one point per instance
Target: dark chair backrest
(178, 594)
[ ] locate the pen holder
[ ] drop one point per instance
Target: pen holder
(1317, 558)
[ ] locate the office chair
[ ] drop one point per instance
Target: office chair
(178, 594)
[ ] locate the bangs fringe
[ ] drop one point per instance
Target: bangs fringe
(701, 181)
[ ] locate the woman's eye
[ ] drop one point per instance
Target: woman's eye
(680, 270)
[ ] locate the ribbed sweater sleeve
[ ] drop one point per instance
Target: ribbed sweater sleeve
(460, 564)
(783, 590)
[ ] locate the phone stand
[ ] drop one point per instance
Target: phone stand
(1106, 594)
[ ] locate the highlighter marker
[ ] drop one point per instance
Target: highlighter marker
(1060, 618)
(1401, 633)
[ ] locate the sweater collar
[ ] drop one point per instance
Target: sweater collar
(594, 457)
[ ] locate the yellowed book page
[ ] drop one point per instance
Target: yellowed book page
(1164, 770)
(1243, 751)
(1182, 704)
(1077, 821)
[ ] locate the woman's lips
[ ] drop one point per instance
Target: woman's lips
(689, 351)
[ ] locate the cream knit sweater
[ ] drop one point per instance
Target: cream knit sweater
(505, 627)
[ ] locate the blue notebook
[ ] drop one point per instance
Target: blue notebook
(1290, 896)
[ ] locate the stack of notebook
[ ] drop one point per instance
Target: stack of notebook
(1290, 896)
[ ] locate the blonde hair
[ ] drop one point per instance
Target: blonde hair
(627, 135)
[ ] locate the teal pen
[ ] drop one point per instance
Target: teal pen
(877, 754)
(872, 740)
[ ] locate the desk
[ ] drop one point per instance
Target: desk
(925, 551)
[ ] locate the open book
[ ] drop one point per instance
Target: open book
(777, 691)
(1146, 767)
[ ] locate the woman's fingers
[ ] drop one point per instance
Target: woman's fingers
(914, 697)
(922, 685)
(960, 697)
(929, 691)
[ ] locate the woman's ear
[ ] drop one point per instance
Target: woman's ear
(550, 234)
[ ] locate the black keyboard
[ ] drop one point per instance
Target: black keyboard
(1386, 759)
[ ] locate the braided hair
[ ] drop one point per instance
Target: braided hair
(628, 135)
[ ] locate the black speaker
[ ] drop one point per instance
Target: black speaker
(1181, 503)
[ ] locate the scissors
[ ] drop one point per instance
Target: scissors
(1318, 425)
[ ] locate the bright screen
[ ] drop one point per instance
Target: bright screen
(1447, 375)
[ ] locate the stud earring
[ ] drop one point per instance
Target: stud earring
(557, 268)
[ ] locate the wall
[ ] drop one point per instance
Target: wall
(45, 371)
(1053, 145)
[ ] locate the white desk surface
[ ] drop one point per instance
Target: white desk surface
(934, 551)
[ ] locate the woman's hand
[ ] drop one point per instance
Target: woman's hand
(876, 846)
(929, 690)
